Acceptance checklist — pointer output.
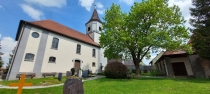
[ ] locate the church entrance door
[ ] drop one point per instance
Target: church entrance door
(76, 66)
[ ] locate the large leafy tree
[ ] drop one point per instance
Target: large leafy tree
(149, 26)
(201, 27)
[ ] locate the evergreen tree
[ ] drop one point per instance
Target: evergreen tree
(201, 27)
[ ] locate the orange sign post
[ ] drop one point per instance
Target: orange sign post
(21, 84)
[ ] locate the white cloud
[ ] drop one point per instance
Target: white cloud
(8, 45)
(184, 6)
(48, 3)
(100, 8)
(86, 3)
(33, 13)
(100, 11)
(99, 5)
(128, 2)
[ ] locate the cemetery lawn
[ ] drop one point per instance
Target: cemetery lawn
(37, 81)
(131, 86)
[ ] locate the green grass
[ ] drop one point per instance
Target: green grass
(131, 86)
(37, 81)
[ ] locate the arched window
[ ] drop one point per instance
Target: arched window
(52, 59)
(100, 29)
(93, 64)
(29, 57)
(94, 53)
(55, 43)
(78, 49)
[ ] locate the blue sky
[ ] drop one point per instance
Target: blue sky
(71, 13)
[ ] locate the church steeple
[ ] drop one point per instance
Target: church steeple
(94, 26)
(94, 17)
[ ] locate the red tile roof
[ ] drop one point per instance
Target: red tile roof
(174, 52)
(63, 30)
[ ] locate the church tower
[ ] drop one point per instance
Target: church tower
(94, 27)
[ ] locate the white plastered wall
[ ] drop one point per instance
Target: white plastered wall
(103, 60)
(66, 53)
(31, 47)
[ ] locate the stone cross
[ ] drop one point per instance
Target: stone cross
(21, 84)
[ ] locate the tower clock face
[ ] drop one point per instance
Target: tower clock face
(35, 34)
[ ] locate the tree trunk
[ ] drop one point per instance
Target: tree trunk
(137, 69)
(136, 63)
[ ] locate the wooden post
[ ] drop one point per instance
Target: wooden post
(20, 84)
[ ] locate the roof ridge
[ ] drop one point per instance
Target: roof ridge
(39, 20)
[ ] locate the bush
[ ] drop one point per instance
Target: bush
(115, 70)
(133, 71)
(101, 73)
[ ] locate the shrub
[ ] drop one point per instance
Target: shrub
(133, 71)
(101, 73)
(115, 70)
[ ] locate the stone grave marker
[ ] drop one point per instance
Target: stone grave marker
(79, 73)
(73, 86)
(85, 74)
(59, 76)
(68, 74)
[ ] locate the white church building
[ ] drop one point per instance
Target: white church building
(46, 46)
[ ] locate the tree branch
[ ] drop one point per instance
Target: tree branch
(145, 52)
(139, 53)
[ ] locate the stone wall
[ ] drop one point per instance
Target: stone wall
(169, 67)
(206, 66)
(196, 66)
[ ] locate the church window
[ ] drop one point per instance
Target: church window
(55, 43)
(94, 53)
(88, 28)
(35, 35)
(78, 49)
(99, 28)
(93, 64)
(52, 59)
(29, 57)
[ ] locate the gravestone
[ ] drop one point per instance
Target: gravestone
(72, 71)
(73, 86)
(59, 76)
(85, 74)
(68, 74)
(79, 73)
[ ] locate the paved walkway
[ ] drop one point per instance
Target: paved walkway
(36, 87)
